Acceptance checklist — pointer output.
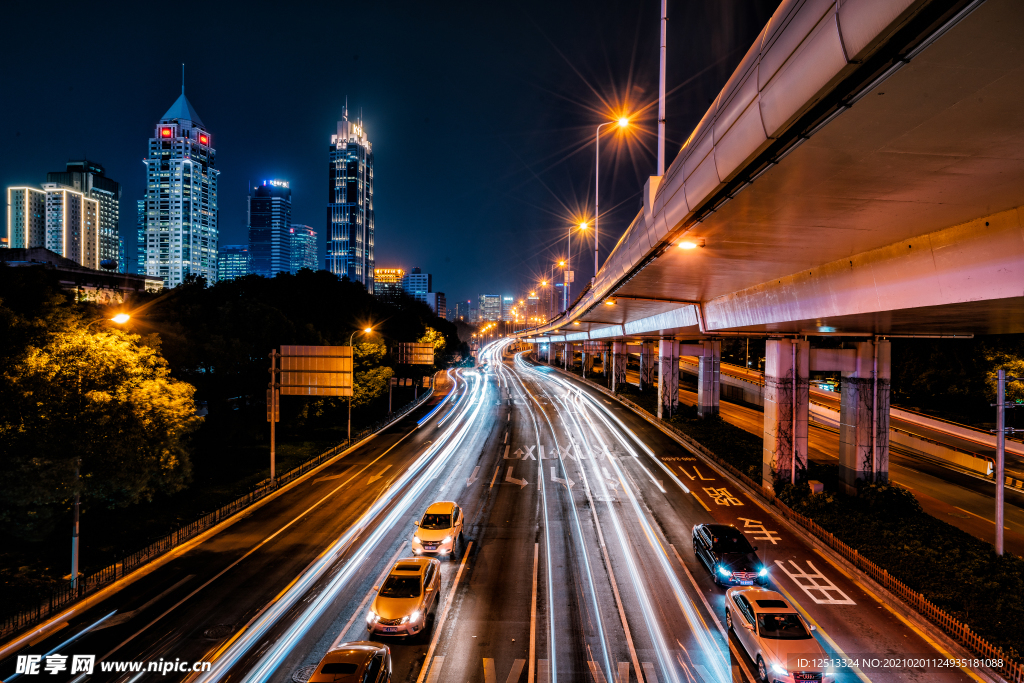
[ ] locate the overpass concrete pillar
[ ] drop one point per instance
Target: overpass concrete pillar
(668, 378)
(708, 378)
(864, 417)
(648, 365)
(786, 402)
(568, 355)
(618, 364)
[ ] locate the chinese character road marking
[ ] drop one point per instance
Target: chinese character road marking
(675, 458)
(757, 527)
(722, 496)
(694, 478)
(815, 584)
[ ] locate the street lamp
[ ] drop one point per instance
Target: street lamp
(120, 319)
(368, 330)
(623, 122)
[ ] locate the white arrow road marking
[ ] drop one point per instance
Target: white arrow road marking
(121, 618)
(333, 476)
(568, 482)
(513, 675)
(612, 481)
(512, 480)
(375, 477)
(506, 452)
(472, 478)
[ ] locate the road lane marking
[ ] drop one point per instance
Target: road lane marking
(533, 615)
(984, 519)
(567, 481)
(512, 480)
(703, 599)
(439, 626)
(435, 672)
(375, 477)
(817, 582)
(490, 675)
(835, 646)
(125, 616)
(702, 503)
(649, 673)
(506, 452)
(543, 674)
(472, 478)
(596, 672)
(722, 497)
(495, 477)
(757, 527)
(380, 579)
(623, 673)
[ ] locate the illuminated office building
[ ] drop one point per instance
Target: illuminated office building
(350, 204)
(232, 261)
(418, 284)
(304, 247)
(507, 304)
(489, 309)
(270, 223)
(181, 198)
(387, 283)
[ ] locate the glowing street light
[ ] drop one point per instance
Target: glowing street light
(623, 124)
(121, 318)
(366, 330)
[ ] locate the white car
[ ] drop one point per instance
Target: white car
(775, 636)
(440, 530)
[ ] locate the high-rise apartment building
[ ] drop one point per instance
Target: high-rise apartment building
(304, 247)
(233, 261)
(57, 218)
(350, 204)
(489, 309)
(387, 283)
(270, 223)
(418, 284)
(533, 308)
(140, 242)
(181, 198)
(90, 179)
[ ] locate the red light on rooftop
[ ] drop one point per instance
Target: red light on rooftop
(204, 139)
(165, 132)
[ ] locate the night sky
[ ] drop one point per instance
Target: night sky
(481, 115)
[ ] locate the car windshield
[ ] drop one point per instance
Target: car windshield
(731, 544)
(401, 587)
(781, 627)
(436, 522)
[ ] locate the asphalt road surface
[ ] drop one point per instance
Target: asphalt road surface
(578, 563)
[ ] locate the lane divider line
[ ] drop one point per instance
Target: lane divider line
(495, 477)
(440, 622)
(380, 579)
(703, 599)
(533, 615)
(702, 503)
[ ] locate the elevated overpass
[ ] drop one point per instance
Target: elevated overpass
(861, 174)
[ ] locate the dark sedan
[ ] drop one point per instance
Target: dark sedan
(728, 555)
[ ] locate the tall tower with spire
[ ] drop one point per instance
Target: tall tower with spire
(180, 227)
(350, 203)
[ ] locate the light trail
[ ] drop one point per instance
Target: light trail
(581, 541)
(416, 478)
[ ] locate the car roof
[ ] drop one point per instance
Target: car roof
(410, 566)
(725, 530)
(766, 601)
(444, 507)
(356, 653)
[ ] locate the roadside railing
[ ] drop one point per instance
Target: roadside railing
(1012, 671)
(64, 596)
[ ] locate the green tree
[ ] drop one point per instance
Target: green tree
(1014, 366)
(103, 399)
(371, 379)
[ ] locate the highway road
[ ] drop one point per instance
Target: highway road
(578, 563)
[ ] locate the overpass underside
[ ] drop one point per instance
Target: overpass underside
(861, 173)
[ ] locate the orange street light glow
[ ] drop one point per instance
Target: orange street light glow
(623, 122)
(121, 318)
(583, 225)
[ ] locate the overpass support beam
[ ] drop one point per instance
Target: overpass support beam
(568, 355)
(618, 364)
(648, 361)
(864, 417)
(708, 378)
(668, 378)
(786, 403)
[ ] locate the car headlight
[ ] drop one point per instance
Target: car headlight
(371, 617)
(415, 616)
(416, 539)
(724, 572)
(779, 670)
(447, 538)
(763, 572)
(405, 619)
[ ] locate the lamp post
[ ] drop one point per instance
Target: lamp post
(120, 319)
(368, 330)
(623, 122)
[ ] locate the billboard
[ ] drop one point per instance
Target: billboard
(415, 353)
(316, 371)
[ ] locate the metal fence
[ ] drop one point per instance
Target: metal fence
(64, 596)
(1011, 670)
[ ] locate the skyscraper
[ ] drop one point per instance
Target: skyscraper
(418, 284)
(507, 304)
(181, 198)
(489, 309)
(438, 304)
(232, 261)
(270, 223)
(350, 204)
(90, 179)
(304, 248)
(140, 242)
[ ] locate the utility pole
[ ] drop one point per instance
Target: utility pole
(661, 90)
(273, 414)
(1001, 431)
